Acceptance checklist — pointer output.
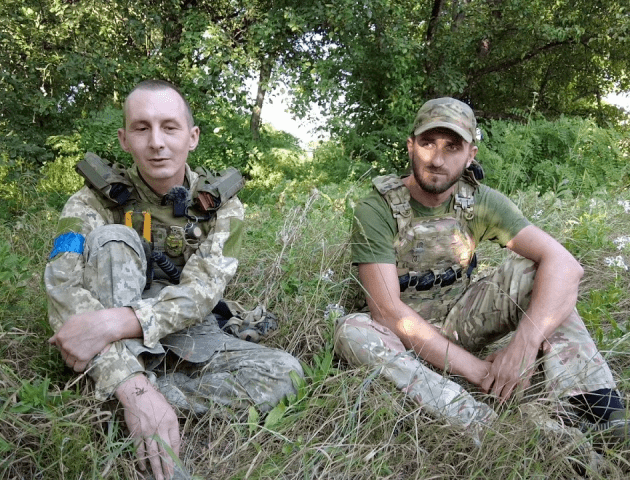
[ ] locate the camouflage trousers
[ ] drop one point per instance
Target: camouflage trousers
(198, 364)
(487, 310)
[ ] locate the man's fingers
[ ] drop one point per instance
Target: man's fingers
(492, 356)
(79, 366)
(155, 454)
(141, 454)
(486, 384)
(508, 389)
(174, 439)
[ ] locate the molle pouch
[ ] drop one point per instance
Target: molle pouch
(212, 192)
(434, 244)
(108, 178)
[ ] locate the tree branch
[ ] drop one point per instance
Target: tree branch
(435, 14)
(525, 58)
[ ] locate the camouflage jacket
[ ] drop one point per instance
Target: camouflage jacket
(203, 279)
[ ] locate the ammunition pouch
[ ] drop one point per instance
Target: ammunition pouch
(213, 191)
(427, 280)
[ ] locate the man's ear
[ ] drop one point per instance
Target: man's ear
(122, 139)
(194, 138)
(472, 154)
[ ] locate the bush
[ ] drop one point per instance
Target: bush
(566, 154)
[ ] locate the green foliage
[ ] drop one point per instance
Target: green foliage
(13, 273)
(60, 176)
(598, 312)
(36, 397)
(98, 133)
(589, 234)
(568, 154)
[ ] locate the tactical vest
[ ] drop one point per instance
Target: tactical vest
(434, 255)
(178, 226)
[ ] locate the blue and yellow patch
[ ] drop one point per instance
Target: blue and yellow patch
(68, 242)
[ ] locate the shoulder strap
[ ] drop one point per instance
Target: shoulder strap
(109, 180)
(397, 196)
(464, 199)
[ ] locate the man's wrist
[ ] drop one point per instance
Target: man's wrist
(530, 334)
(122, 323)
(132, 387)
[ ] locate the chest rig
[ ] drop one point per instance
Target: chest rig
(434, 254)
(173, 230)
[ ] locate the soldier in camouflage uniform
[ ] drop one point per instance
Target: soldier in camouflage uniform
(110, 326)
(414, 241)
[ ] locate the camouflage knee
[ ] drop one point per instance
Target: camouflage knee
(115, 265)
(493, 306)
(362, 341)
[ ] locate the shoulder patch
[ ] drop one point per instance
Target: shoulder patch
(69, 224)
(68, 242)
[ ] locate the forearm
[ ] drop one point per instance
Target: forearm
(429, 344)
(554, 295)
(555, 288)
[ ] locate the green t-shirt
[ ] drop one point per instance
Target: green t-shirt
(496, 219)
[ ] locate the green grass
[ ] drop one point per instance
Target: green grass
(344, 422)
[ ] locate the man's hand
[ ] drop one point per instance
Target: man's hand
(512, 367)
(85, 335)
(152, 423)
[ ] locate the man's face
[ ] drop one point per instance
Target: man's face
(439, 158)
(158, 136)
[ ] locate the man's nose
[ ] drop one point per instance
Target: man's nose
(437, 159)
(156, 140)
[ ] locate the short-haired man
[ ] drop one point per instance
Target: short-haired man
(113, 320)
(414, 241)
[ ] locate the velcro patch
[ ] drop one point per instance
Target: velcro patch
(68, 242)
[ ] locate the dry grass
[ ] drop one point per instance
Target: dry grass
(346, 423)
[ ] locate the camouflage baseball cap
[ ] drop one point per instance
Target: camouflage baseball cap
(448, 113)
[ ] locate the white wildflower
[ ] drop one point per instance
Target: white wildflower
(621, 242)
(617, 261)
(625, 204)
(333, 311)
(327, 276)
(537, 214)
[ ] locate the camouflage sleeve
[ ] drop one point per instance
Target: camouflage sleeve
(63, 279)
(202, 283)
(63, 276)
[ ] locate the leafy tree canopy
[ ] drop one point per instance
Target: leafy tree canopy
(368, 63)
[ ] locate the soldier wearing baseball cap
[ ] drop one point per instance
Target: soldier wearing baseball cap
(414, 241)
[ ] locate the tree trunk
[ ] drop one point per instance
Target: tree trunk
(263, 83)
